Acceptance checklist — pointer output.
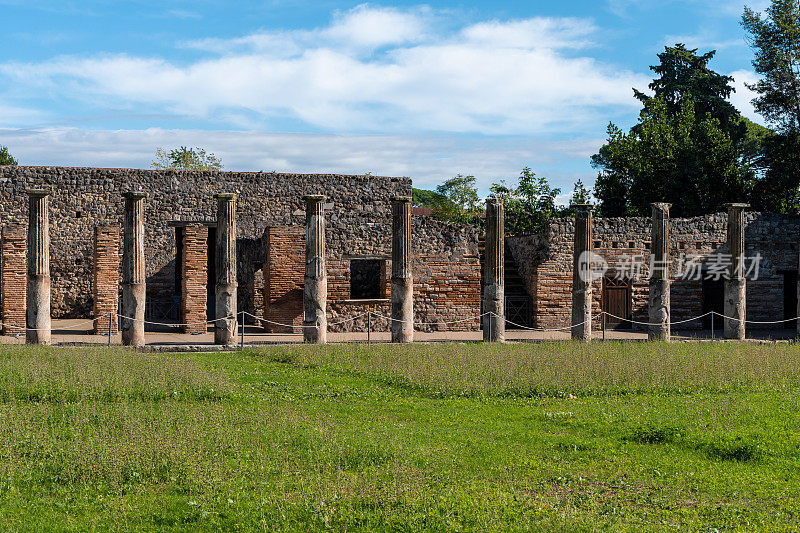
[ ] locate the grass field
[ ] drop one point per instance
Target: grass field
(621, 436)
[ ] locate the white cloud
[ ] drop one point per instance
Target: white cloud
(742, 97)
(360, 29)
(428, 160)
(371, 70)
(12, 115)
(540, 32)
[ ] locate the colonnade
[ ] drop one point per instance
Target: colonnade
(315, 291)
(659, 310)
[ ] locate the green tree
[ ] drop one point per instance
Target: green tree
(690, 147)
(5, 157)
(683, 73)
(528, 206)
(775, 40)
(184, 158)
(426, 198)
(580, 194)
(462, 203)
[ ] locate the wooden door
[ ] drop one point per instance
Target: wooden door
(617, 302)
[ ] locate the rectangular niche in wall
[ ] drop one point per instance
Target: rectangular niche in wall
(366, 279)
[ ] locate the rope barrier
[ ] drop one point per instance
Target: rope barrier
(173, 324)
(656, 323)
(391, 319)
(545, 330)
(433, 323)
(345, 321)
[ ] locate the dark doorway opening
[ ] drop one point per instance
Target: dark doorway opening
(365, 279)
(616, 301)
(790, 299)
(518, 305)
(713, 300)
(211, 283)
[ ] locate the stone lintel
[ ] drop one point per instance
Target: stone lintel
(226, 195)
(38, 193)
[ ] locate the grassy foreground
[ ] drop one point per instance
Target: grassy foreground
(622, 436)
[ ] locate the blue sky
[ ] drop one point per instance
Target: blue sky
(425, 90)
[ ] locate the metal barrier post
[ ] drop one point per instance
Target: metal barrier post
(369, 328)
(712, 325)
(242, 328)
(110, 320)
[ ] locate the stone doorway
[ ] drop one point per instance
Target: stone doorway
(713, 300)
(617, 301)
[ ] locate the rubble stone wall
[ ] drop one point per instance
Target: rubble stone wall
(358, 218)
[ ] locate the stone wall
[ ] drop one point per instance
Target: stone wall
(445, 262)
(358, 221)
(545, 262)
(85, 197)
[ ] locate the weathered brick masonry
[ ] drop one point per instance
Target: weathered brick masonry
(105, 269)
(194, 278)
(357, 214)
(283, 279)
(13, 278)
(546, 264)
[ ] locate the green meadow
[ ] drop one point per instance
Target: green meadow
(427, 437)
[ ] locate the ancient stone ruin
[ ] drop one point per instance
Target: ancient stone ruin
(179, 265)
(312, 253)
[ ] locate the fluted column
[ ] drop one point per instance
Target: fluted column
(659, 304)
(581, 275)
(38, 299)
(227, 286)
(315, 288)
(735, 285)
(402, 276)
(133, 270)
(494, 319)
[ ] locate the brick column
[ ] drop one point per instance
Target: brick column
(494, 324)
(315, 289)
(13, 265)
(735, 285)
(105, 285)
(194, 278)
(227, 288)
(658, 301)
(38, 298)
(134, 289)
(402, 276)
(581, 275)
(283, 279)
